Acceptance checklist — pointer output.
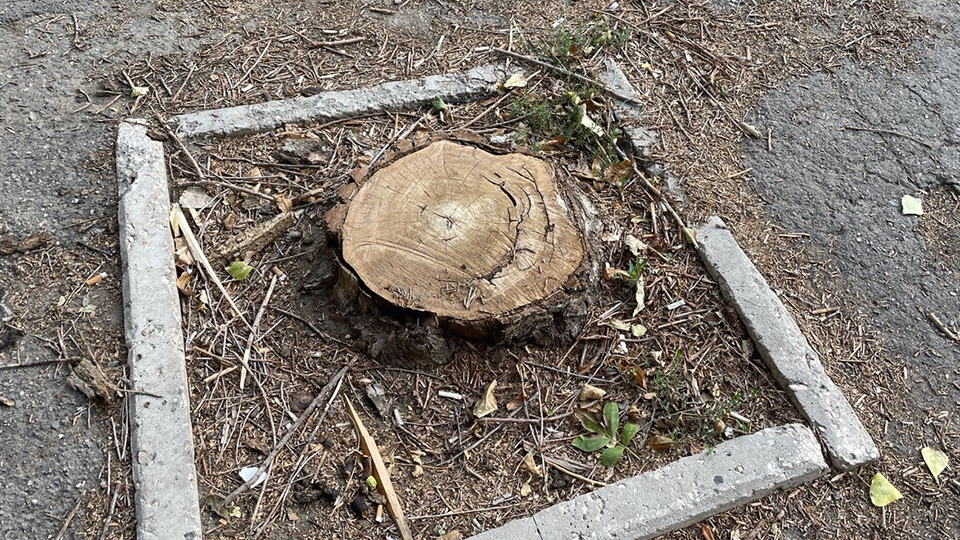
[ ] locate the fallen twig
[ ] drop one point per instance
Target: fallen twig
(267, 461)
(110, 511)
(69, 519)
(33, 364)
(569, 73)
(200, 257)
(508, 420)
(369, 447)
(890, 132)
(176, 140)
(942, 327)
(244, 361)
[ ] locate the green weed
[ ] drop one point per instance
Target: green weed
(607, 435)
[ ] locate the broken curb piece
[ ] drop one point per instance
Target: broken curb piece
(681, 493)
(629, 114)
(164, 474)
(338, 104)
(784, 348)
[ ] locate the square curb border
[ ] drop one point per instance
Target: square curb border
(633, 508)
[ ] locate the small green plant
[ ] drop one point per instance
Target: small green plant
(566, 46)
(606, 435)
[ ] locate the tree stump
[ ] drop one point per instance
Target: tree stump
(475, 241)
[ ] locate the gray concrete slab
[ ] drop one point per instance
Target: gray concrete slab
(785, 349)
(628, 114)
(164, 473)
(338, 104)
(682, 493)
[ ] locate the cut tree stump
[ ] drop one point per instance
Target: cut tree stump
(475, 241)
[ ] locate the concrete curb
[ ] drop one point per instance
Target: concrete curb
(682, 493)
(164, 474)
(629, 114)
(785, 349)
(339, 104)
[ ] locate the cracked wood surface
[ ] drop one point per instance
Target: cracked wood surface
(462, 233)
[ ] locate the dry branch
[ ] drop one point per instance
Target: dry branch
(267, 461)
(369, 447)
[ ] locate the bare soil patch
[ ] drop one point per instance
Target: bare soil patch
(680, 377)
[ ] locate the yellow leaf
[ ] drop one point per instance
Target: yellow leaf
(515, 81)
(488, 403)
(935, 459)
(882, 491)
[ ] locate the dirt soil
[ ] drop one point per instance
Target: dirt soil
(821, 221)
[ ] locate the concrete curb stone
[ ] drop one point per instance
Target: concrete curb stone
(338, 104)
(164, 474)
(785, 350)
(681, 493)
(629, 114)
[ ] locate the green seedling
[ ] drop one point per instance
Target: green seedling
(606, 436)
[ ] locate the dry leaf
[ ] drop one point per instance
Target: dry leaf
(617, 324)
(936, 461)
(182, 252)
(706, 532)
(618, 173)
(283, 202)
(515, 403)
(589, 393)
(525, 489)
(588, 122)
(517, 80)
(183, 283)
(882, 492)
(635, 245)
(611, 236)
(488, 403)
(639, 296)
(660, 443)
(530, 464)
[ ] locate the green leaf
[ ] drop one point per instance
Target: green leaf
(935, 459)
(439, 105)
(911, 206)
(239, 270)
(882, 491)
(611, 412)
(592, 443)
(629, 430)
(592, 426)
(611, 456)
